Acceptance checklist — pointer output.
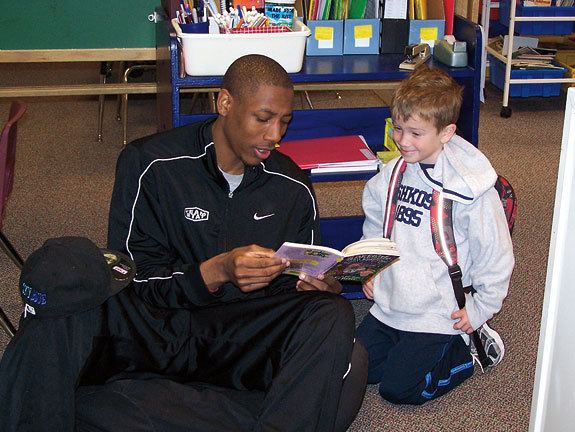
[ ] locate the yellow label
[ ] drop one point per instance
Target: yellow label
(362, 32)
(323, 33)
(428, 33)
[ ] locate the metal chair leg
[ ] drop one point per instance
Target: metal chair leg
(11, 251)
(15, 257)
(105, 69)
(119, 103)
(124, 99)
(307, 98)
(125, 118)
(6, 324)
(213, 98)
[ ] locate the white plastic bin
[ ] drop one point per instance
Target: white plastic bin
(212, 54)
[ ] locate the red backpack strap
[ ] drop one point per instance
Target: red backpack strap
(441, 221)
(392, 195)
(508, 200)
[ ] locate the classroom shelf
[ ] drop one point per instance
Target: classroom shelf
(346, 72)
(556, 17)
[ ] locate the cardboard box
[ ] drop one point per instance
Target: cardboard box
(361, 36)
(326, 38)
(570, 74)
(469, 9)
(566, 58)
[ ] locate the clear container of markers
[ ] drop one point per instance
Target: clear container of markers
(280, 12)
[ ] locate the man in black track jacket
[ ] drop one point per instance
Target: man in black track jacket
(210, 336)
(201, 210)
(173, 209)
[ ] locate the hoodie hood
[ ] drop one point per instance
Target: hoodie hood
(461, 171)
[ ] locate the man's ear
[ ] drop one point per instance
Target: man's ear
(447, 133)
(224, 102)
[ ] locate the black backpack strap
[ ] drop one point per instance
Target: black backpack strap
(441, 218)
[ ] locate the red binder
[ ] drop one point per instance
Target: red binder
(331, 154)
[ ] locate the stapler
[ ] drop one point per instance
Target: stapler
(451, 52)
(415, 55)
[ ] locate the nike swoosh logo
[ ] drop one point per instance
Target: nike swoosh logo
(256, 217)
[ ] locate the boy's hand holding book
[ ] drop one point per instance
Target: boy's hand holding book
(368, 289)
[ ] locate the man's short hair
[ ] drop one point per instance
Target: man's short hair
(430, 94)
(249, 72)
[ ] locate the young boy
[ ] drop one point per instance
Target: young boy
(416, 335)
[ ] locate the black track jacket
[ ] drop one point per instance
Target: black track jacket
(171, 210)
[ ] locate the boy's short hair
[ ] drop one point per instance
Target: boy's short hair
(247, 73)
(430, 94)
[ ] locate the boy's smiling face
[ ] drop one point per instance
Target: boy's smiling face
(419, 140)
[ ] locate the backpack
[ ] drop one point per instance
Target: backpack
(442, 233)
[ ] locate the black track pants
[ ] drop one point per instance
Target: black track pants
(274, 363)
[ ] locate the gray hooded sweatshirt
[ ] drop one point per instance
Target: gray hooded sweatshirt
(415, 293)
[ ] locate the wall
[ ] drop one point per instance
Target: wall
(553, 394)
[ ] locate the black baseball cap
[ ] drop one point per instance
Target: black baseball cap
(67, 275)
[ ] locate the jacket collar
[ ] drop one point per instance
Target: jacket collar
(205, 138)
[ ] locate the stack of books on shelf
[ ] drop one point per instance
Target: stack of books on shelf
(349, 153)
(527, 57)
(534, 58)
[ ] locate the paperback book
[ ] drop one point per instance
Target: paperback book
(357, 262)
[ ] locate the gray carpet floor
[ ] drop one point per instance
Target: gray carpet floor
(64, 180)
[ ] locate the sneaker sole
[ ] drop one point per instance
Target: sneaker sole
(495, 336)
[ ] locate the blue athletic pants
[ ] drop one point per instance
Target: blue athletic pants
(413, 368)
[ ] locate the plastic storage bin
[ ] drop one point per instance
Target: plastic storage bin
(541, 27)
(212, 54)
(497, 78)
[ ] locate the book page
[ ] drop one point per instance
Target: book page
(379, 245)
(310, 259)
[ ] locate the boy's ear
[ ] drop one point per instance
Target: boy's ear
(224, 102)
(447, 132)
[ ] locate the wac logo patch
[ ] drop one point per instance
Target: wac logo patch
(196, 214)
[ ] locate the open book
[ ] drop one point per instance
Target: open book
(357, 262)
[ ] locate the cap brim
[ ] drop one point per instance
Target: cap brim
(122, 269)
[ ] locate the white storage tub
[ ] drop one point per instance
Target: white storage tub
(212, 54)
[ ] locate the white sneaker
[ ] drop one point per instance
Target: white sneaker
(493, 345)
